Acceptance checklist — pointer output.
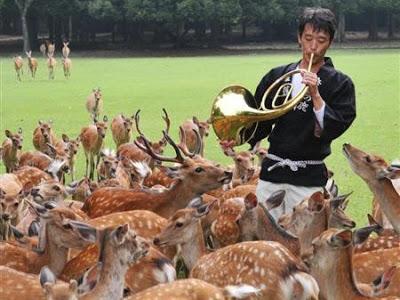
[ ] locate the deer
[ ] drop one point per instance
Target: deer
(32, 63)
(42, 136)
(94, 103)
(151, 270)
(107, 167)
(18, 64)
(51, 64)
(314, 215)
(11, 150)
(194, 289)
(67, 65)
(43, 48)
(330, 261)
(65, 50)
(376, 172)
(267, 266)
(131, 174)
(26, 177)
(195, 176)
(202, 127)
(81, 189)
(121, 128)
(92, 139)
(70, 148)
(51, 47)
(11, 208)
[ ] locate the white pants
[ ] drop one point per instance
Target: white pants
(294, 195)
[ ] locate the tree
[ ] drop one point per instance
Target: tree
(23, 6)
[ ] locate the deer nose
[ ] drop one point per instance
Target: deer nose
(6, 217)
(228, 174)
(156, 241)
(34, 191)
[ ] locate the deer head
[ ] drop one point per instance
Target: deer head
(49, 191)
(11, 206)
(15, 138)
(101, 127)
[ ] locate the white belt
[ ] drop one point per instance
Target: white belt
(294, 165)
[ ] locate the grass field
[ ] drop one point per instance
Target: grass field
(186, 86)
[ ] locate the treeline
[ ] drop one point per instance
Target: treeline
(184, 22)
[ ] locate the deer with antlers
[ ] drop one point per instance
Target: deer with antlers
(376, 172)
(268, 266)
(94, 103)
(32, 63)
(189, 126)
(11, 148)
(92, 139)
(195, 176)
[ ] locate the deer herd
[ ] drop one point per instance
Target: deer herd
(144, 225)
(47, 49)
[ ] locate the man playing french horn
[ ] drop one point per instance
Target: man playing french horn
(300, 140)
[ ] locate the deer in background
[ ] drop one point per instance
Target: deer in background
(51, 65)
(66, 50)
(92, 139)
(32, 63)
(267, 266)
(121, 128)
(67, 65)
(18, 64)
(94, 103)
(11, 148)
(42, 136)
(376, 172)
(202, 127)
(51, 48)
(43, 48)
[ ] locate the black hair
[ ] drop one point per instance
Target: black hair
(320, 18)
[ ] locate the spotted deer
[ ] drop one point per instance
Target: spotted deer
(153, 269)
(267, 266)
(94, 103)
(195, 176)
(121, 128)
(189, 126)
(65, 50)
(28, 176)
(194, 289)
(18, 65)
(32, 63)
(80, 190)
(51, 64)
(11, 150)
(92, 139)
(377, 174)
(67, 66)
(42, 136)
(314, 215)
(330, 261)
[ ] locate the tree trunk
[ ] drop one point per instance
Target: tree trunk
(390, 26)
(341, 37)
(373, 27)
(70, 28)
(244, 29)
(25, 33)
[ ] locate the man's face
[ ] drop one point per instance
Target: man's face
(313, 41)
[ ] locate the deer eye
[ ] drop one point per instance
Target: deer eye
(199, 169)
(252, 159)
(16, 204)
(67, 226)
(178, 224)
(56, 188)
(239, 160)
(367, 159)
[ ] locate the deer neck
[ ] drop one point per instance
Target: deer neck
(314, 229)
(340, 283)
(57, 255)
(195, 248)
(112, 277)
(388, 199)
(99, 142)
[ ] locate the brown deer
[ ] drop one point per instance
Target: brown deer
(151, 270)
(70, 148)
(65, 50)
(51, 64)
(195, 176)
(131, 174)
(202, 127)
(67, 65)
(11, 150)
(267, 266)
(107, 167)
(43, 48)
(330, 260)
(121, 128)
(32, 63)
(18, 64)
(30, 176)
(377, 174)
(187, 289)
(42, 136)
(92, 139)
(94, 103)
(11, 209)
(51, 48)
(132, 152)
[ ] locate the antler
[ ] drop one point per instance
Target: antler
(148, 149)
(137, 122)
(163, 140)
(183, 146)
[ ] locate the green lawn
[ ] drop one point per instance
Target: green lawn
(186, 86)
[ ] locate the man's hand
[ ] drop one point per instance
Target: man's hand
(311, 80)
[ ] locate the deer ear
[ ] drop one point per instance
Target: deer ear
(341, 239)
(204, 209)
(275, 199)
(316, 202)
(120, 233)
(340, 201)
(391, 172)
(383, 281)
(20, 130)
(8, 133)
(46, 276)
(65, 138)
(105, 119)
(250, 201)
(361, 235)
(85, 231)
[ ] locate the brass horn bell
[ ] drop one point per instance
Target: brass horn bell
(233, 115)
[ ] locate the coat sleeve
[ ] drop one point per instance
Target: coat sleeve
(340, 111)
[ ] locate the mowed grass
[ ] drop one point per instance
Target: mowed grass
(186, 86)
